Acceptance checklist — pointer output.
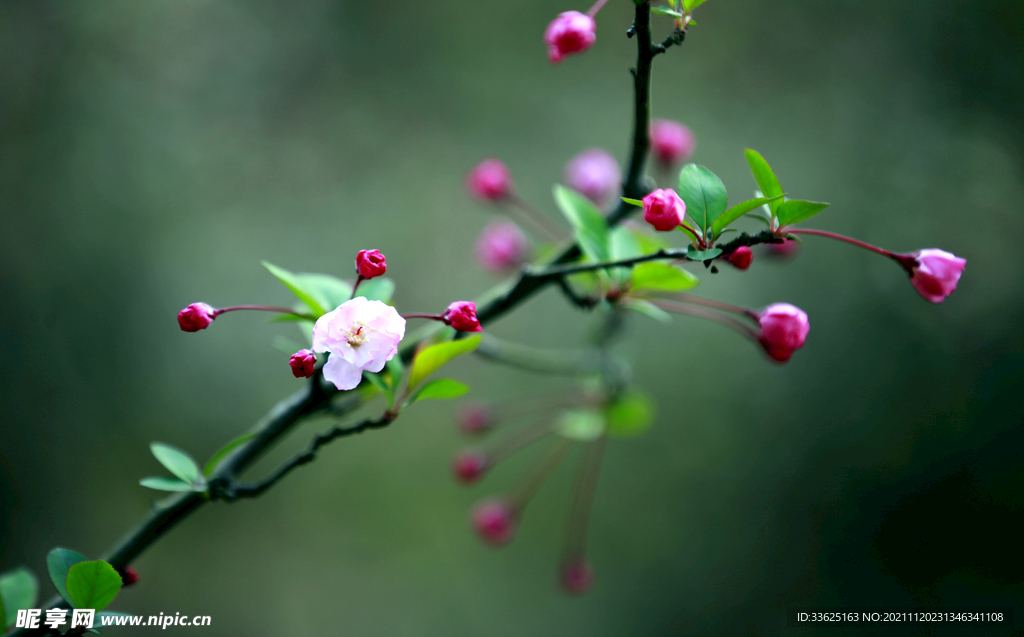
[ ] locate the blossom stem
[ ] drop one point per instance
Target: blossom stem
(540, 472)
(718, 305)
(583, 489)
(432, 317)
(516, 441)
(597, 7)
(839, 237)
(262, 308)
(534, 218)
(355, 286)
(728, 321)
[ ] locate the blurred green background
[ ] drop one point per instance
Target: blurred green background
(152, 153)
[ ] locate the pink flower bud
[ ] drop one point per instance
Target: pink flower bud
(303, 362)
(195, 317)
(784, 329)
(672, 142)
(571, 32)
(469, 466)
(370, 263)
(128, 575)
(495, 521)
(935, 273)
(462, 316)
(595, 174)
(490, 181)
(501, 247)
(664, 210)
(740, 258)
(475, 418)
(785, 250)
(577, 576)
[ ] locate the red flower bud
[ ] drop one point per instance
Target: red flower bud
(784, 329)
(494, 521)
(370, 263)
(740, 258)
(195, 317)
(469, 466)
(571, 32)
(672, 142)
(490, 181)
(475, 418)
(935, 273)
(664, 210)
(128, 575)
(302, 362)
(462, 316)
(577, 576)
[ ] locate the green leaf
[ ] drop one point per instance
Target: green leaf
(765, 178)
(624, 245)
(796, 210)
(737, 211)
(215, 459)
(397, 370)
(630, 415)
(58, 562)
(648, 309)
(163, 483)
(19, 590)
(377, 380)
(662, 277)
(591, 228)
(440, 389)
(299, 288)
(704, 194)
(93, 584)
(703, 255)
(633, 202)
(432, 358)
(666, 11)
(582, 425)
(648, 242)
(177, 462)
(694, 4)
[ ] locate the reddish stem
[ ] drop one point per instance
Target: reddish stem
(432, 317)
(262, 308)
(355, 286)
(718, 305)
(597, 7)
(839, 237)
(728, 321)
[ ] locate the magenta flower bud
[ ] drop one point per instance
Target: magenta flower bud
(664, 210)
(469, 466)
(128, 575)
(577, 576)
(672, 142)
(371, 263)
(462, 316)
(501, 247)
(490, 181)
(571, 32)
(302, 362)
(784, 329)
(195, 317)
(494, 521)
(740, 258)
(935, 273)
(595, 174)
(475, 418)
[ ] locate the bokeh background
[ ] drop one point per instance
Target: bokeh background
(151, 153)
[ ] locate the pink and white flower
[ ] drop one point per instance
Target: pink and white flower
(360, 335)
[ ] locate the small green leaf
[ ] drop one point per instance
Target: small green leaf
(591, 228)
(298, 288)
(58, 562)
(440, 389)
(211, 464)
(704, 194)
(662, 277)
(648, 309)
(432, 358)
(163, 483)
(582, 425)
(796, 210)
(630, 415)
(765, 178)
(624, 245)
(93, 584)
(633, 202)
(397, 370)
(694, 4)
(19, 590)
(177, 462)
(703, 255)
(666, 11)
(648, 242)
(737, 211)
